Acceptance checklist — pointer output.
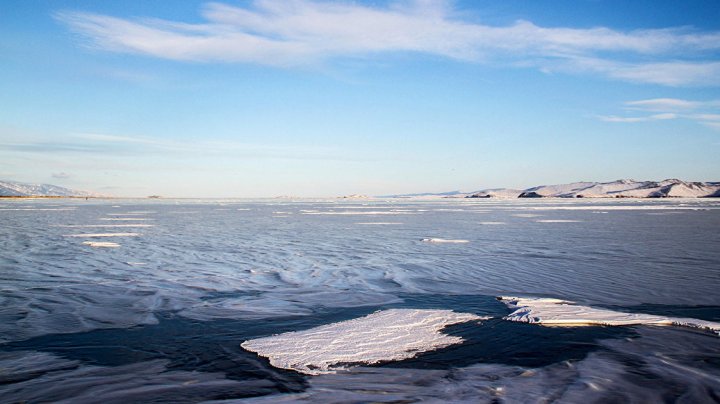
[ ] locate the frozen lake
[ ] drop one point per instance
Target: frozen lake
(150, 300)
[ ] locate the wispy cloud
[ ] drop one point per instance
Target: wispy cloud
(702, 112)
(656, 117)
(125, 146)
(61, 175)
(302, 32)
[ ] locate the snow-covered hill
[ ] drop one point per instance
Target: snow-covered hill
(671, 188)
(12, 188)
(626, 189)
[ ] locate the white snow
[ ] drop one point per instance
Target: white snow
(105, 244)
(12, 188)
(629, 189)
(443, 240)
(103, 235)
(558, 221)
(124, 219)
(373, 212)
(104, 225)
(37, 209)
(388, 335)
(556, 312)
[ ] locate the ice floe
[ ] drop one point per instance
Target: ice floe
(125, 218)
(388, 335)
(105, 244)
(444, 240)
(556, 312)
(102, 235)
(105, 225)
(353, 213)
(558, 221)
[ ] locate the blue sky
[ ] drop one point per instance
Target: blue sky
(326, 98)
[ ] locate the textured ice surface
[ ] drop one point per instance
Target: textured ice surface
(208, 264)
(39, 377)
(244, 267)
(388, 335)
(556, 312)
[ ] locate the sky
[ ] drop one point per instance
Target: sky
(310, 98)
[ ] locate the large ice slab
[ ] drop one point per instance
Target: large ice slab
(388, 335)
(556, 312)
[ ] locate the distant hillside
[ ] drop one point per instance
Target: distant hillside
(626, 189)
(671, 188)
(19, 189)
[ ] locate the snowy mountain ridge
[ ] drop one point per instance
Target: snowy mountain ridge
(20, 189)
(626, 188)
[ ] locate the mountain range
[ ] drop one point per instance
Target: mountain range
(670, 188)
(20, 189)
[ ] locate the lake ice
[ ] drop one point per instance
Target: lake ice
(162, 314)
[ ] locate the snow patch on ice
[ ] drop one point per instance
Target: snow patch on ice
(104, 225)
(124, 218)
(101, 244)
(558, 221)
(103, 235)
(556, 312)
(444, 240)
(372, 212)
(378, 223)
(388, 335)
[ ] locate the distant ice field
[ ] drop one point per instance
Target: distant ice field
(170, 303)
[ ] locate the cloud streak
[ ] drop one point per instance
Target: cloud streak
(129, 146)
(290, 33)
(706, 113)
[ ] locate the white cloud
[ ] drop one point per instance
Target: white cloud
(301, 32)
(703, 112)
(656, 117)
(662, 104)
(130, 146)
